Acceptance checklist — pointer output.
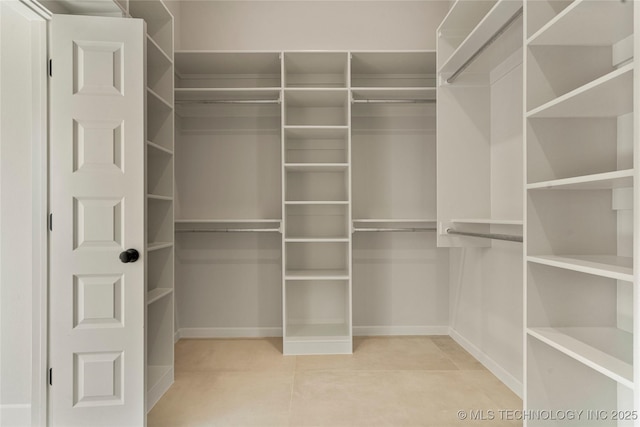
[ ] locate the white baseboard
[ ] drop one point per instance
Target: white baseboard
(229, 332)
(277, 332)
(176, 336)
(363, 331)
(15, 415)
(509, 380)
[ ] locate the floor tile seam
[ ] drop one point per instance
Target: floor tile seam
(383, 370)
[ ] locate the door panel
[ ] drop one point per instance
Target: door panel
(97, 202)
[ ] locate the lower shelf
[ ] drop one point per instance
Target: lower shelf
(604, 349)
(614, 267)
(157, 294)
(159, 379)
(322, 338)
(317, 275)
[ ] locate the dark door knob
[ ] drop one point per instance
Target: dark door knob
(130, 255)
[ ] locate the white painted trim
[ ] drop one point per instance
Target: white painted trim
(399, 330)
(39, 329)
(509, 380)
(38, 8)
(277, 332)
(15, 415)
(176, 336)
(229, 332)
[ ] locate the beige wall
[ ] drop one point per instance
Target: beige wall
(310, 25)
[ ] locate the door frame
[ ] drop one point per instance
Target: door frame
(38, 18)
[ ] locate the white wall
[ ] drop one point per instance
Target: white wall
(310, 25)
(20, 201)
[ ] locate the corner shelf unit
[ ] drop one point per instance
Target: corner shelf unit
(581, 222)
(159, 260)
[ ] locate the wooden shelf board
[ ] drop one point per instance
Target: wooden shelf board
(312, 130)
(413, 93)
(316, 275)
(203, 62)
(316, 202)
(611, 266)
(462, 15)
(156, 246)
(600, 181)
(316, 167)
(228, 221)
(160, 99)
(587, 23)
(157, 294)
(379, 65)
(159, 197)
(395, 221)
(159, 148)
(316, 239)
(311, 98)
(488, 221)
(494, 19)
(322, 331)
(156, 47)
(606, 350)
(231, 94)
(608, 96)
(316, 132)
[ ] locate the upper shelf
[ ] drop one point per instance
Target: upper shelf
(463, 16)
(315, 69)
(227, 70)
(487, 221)
(613, 267)
(587, 23)
(494, 23)
(415, 69)
(600, 181)
(394, 93)
(159, 21)
(232, 94)
(609, 96)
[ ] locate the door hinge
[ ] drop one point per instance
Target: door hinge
(50, 222)
(50, 376)
(51, 68)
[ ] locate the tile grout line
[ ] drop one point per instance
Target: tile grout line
(293, 384)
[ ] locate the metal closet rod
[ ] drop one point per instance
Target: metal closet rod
(407, 229)
(229, 230)
(393, 101)
(231, 101)
(488, 43)
(495, 236)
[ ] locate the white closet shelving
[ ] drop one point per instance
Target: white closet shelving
(480, 121)
(393, 137)
(316, 177)
(160, 202)
(228, 193)
(581, 88)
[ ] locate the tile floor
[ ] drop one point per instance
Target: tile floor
(388, 381)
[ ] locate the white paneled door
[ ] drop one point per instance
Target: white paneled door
(97, 203)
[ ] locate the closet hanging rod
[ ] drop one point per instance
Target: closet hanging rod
(406, 229)
(229, 230)
(484, 47)
(230, 101)
(507, 237)
(393, 101)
